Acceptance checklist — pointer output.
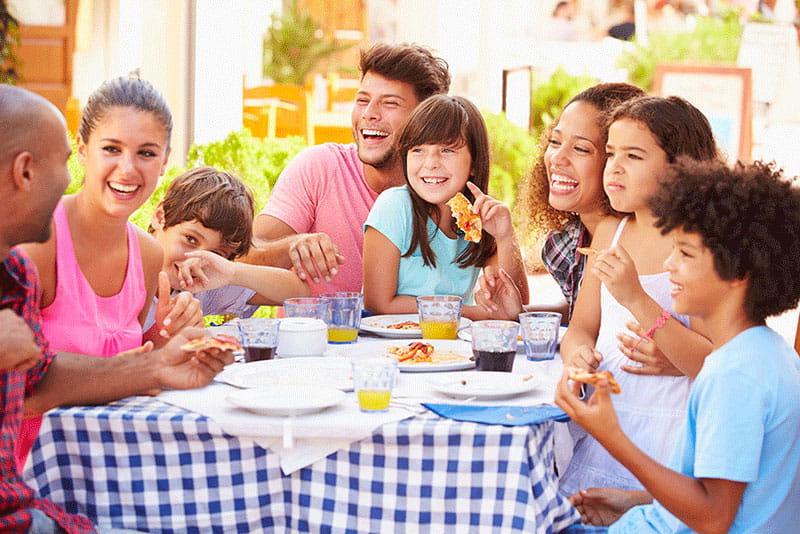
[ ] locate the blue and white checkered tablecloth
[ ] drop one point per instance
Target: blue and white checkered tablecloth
(142, 464)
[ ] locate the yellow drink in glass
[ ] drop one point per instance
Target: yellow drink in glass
(439, 329)
(374, 400)
(337, 334)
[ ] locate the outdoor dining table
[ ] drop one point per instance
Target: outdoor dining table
(142, 464)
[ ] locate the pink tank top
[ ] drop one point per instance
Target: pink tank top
(78, 320)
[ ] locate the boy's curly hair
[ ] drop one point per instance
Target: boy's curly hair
(216, 199)
(748, 217)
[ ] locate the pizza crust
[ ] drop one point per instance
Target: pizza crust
(586, 376)
(220, 341)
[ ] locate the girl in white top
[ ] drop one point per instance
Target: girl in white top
(627, 288)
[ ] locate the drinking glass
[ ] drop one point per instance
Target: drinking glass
(494, 345)
(439, 316)
(259, 338)
(344, 316)
(540, 334)
(373, 380)
(312, 307)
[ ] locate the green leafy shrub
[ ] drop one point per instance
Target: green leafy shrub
(293, 46)
(713, 40)
(550, 97)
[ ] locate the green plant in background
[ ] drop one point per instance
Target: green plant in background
(713, 40)
(294, 45)
(9, 40)
(550, 97)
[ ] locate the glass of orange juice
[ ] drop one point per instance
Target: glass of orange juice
(343, 316)
(373, 380)
(439, 316)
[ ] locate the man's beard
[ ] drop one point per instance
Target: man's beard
(386, 160)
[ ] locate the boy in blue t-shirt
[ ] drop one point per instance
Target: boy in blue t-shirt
(736, 464)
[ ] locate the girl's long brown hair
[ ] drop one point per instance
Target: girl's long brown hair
(447, 120)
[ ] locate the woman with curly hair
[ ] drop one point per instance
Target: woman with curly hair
(563, 195)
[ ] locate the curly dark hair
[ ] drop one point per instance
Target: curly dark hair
(535, 188)
(748, 217)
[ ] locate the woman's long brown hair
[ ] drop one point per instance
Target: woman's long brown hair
(454, 121)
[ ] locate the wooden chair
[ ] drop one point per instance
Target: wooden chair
(341, 92)
(279, 110)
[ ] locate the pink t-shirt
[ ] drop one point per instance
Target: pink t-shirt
(324, 190)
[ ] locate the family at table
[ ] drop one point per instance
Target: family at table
(669, 262)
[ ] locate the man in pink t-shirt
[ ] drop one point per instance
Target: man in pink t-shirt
(314, 217)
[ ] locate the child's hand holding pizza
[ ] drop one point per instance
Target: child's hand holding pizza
(495, 216)
(597, 416)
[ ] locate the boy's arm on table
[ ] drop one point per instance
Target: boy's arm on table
(381, 266)
(74, 379)
(705, 505)
(313, 256)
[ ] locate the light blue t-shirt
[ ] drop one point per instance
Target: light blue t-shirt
(743, 424)
(391, 215)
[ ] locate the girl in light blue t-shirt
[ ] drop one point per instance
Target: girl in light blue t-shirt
(412, 246)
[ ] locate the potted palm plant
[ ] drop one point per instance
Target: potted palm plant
(9, 39)
(294, 45)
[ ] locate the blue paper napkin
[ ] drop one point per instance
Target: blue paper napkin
(499, 415)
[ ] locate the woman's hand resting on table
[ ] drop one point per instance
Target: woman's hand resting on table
(498, 295)
(650, 359)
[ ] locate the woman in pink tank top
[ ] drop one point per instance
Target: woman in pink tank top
(98, 270)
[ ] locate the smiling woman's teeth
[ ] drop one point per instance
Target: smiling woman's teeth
(122, 188)
(562, 183)
(433, 181)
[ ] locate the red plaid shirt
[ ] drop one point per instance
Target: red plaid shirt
(19, 291)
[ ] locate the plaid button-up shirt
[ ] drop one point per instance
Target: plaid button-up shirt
(19, 291)
(562, 260)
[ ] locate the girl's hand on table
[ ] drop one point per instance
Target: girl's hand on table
(584, 357)
(644, 351)
(174, 313)
(495, 216)
(498, 294)
(597, 416)
(615, 268)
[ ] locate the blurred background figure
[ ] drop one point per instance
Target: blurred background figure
(625, 29)
(562, 25)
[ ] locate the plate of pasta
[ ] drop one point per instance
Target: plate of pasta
(414, 356)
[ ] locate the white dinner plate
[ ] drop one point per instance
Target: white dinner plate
(466, 335)
(286, 400)
(378, 325)
(484, 385)
(333, 372)
(380, 347)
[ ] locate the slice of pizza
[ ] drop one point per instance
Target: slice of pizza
(467, 221)
(588, 251)
(587, 376)
(222, 342)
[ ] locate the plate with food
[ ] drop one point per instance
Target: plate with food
(466, 335)
(286, 400)
(398, 326)
(311, 371)
(414, 356)
(486, 385)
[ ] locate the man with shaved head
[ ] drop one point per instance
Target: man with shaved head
(33, 175)
(314, 219)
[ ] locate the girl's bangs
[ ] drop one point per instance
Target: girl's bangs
(441, 125)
